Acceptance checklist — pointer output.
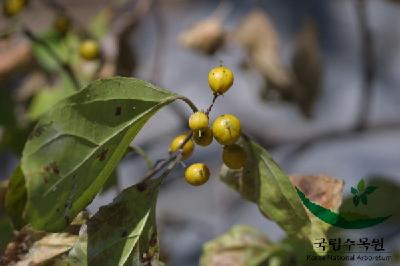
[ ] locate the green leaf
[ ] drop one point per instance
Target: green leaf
(100, 24)
(361, 185)
(6, 230)
(126, 226)
(47, 98)
(356, 200)
(364, 199)
(57, 43)
(370, 190)
(241, 245)
(354, 191)
(15, 199)
(263, 182)
(75, 146)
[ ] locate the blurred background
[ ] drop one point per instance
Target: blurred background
(316, 84)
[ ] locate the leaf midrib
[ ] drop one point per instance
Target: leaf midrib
(105, 141)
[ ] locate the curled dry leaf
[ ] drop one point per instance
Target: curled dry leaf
(307, 69)
(205, 36)
(32, 247)
(321, 189)
(257, 34)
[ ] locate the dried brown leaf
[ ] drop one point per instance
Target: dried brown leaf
(31, 247)
(258, 36)
(205, 36)
(307, 68)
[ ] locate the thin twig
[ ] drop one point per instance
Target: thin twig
(189, 102)
(176, 156)
(64, 65)
(368, 65)
(212, 104)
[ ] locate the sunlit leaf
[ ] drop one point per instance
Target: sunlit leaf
(76, 145)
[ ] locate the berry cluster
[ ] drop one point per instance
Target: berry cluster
(225, 129)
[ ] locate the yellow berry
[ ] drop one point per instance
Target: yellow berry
(203, 137)
(234, 156)
(226, 129)
(187, 149)
(13, 7)
(89, 49)
(197, 174)
(220, 79)
(62, 24)
(198, 121)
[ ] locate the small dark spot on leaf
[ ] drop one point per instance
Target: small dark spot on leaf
(52, 168)
(118, 110)
(45, 179)
(58, 210)
(153, 240)
(141, 186)
(124, 234)
(103, 155)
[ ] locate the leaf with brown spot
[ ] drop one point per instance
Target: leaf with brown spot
(321, 189)
(263, 182)
(125, 228)
(86, 140)
(240, 246)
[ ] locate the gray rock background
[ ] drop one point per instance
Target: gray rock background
(190, 216)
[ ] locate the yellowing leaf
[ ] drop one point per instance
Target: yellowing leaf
(263, 182)
(240, 246)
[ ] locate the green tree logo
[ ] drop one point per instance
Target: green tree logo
(361, 193)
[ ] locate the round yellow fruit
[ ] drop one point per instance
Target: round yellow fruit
(62, 24)
(89, 49)
(197, 174)
(13, 7)
(226, 129)
(187, 149)
(198, 121)
(203, 137)
(234, 156)
(220, 79)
